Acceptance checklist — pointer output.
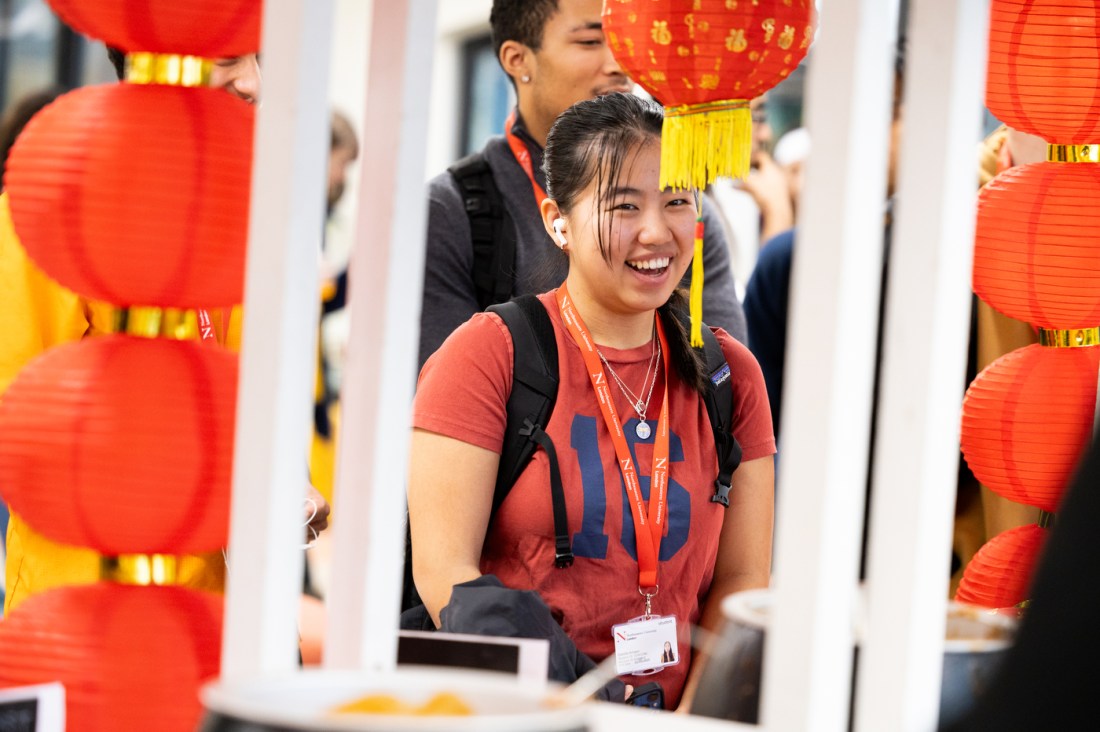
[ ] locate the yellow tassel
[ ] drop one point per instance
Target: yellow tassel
(701, 142)
(695, 296)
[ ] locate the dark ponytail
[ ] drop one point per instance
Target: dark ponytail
(686, 361)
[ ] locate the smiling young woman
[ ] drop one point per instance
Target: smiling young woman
(628, 417)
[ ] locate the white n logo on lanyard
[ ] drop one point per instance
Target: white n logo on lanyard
(206, 326)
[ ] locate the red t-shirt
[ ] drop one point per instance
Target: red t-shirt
(462, 393)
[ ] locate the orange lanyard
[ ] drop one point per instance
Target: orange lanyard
(523, 157)
(649, 523)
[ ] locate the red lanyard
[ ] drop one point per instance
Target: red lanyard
(649, 524)
(523, 157)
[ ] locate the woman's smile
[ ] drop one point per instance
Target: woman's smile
(651, 267)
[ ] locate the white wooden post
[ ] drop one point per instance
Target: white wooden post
(830, 369)
(924, 368)
(385, 283)
(278, 353)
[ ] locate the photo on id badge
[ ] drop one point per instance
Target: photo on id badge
(645, 645)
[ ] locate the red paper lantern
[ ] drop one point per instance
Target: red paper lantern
(1000, 573)
(213, 28)
(130, 658)
(137, 195)
(1037, 247)
(1027, 419)
(1044, 62)
(123, 444)
(704, 59)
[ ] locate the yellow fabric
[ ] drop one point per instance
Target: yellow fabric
(322, 450)
(322, 457)
(36, 314)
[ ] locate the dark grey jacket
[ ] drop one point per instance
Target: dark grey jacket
(484, 606)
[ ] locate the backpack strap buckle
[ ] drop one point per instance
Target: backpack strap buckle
(721, 493)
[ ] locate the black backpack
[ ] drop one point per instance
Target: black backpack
(491, 230)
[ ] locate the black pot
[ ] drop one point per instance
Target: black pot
(729, 688)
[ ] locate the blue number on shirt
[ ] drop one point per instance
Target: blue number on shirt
(591, 541)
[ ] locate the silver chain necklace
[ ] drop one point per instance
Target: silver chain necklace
(643, 430)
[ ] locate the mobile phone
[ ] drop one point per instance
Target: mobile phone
(649, 695)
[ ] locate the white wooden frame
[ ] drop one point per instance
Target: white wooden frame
(924, 369)
(387, 276)
(279, 342)
(835, 284)
(828, 402)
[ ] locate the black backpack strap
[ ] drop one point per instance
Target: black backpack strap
(563, 548)
(534, 391)
(719, 403)
(491, 229)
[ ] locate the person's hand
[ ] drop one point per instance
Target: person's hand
(629, 691)
(316, 512)
(769, 187)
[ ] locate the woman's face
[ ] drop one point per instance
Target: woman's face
(650, 238)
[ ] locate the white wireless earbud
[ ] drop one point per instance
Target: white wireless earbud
(558, 224)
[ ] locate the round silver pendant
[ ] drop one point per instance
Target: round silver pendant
(643, 430)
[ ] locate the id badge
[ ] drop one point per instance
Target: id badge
(645, 645)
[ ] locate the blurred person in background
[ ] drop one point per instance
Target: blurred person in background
(791, 153)
(343, 152)
(757, 208)
(14, 121)
(17, 117)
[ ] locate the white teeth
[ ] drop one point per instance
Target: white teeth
(659, 263)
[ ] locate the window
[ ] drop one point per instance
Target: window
(487, 95)
(38, 52)
(28, 48)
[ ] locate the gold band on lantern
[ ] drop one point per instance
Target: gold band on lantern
(724, 106)
(1076, 338)
(169, 69)
(1073, 153)
(147, 322)
(140, 569)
